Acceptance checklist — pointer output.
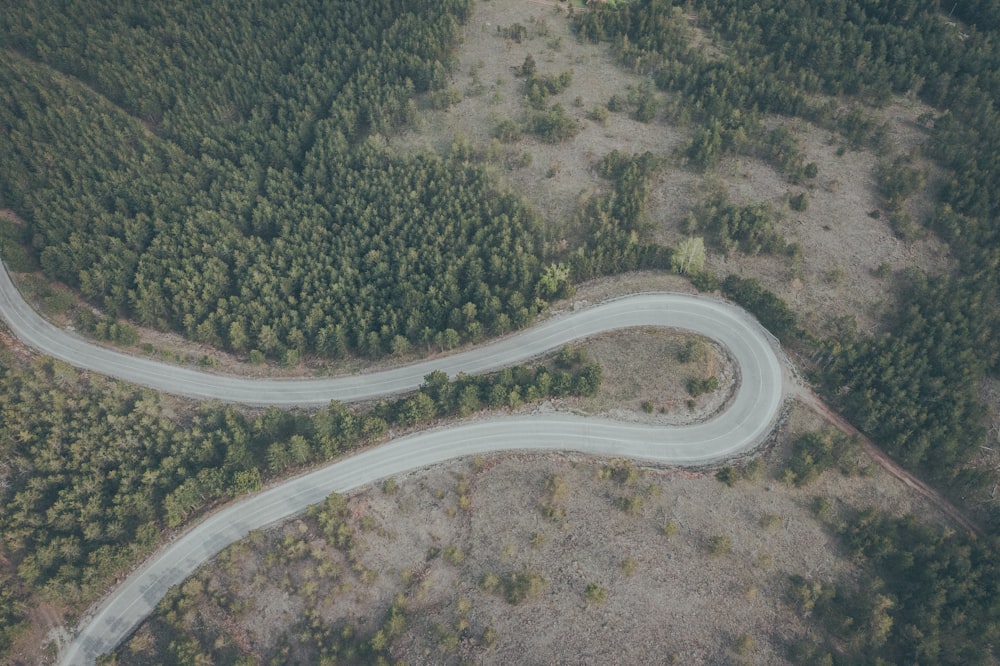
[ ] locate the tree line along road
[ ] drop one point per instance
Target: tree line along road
(746, 422)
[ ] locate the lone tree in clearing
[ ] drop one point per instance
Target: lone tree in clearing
(689, 258)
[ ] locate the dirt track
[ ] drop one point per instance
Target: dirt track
(878, 455)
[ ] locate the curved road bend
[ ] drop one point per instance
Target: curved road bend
(729, 325)
(747, 421)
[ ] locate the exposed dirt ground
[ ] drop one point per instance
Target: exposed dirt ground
(667, 598)
(644, 366)
(842, 245)
(559, 176)
(988, 458)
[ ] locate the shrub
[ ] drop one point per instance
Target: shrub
(720, 545)
(507, 131)
(705, 281)
(521, 586)
(554, 125)
(729, 475)
(595, 594)
(799, 202)
(600, 114)
(490, 582)
(631, 504)
(744, 645)
(771, 521)
(454, 555)
(697, 387)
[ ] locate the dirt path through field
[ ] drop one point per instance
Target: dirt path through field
(878, 455)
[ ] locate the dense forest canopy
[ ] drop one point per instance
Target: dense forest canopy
(915, 388)
(215, 168)
(924, 597)
(93, 471)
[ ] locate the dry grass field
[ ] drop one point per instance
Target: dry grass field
(682, 567)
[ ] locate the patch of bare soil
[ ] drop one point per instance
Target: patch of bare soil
(605, 288)
(848, 257)
(8, 214)
(646, 373)
(45, 635)
(680, 567)
(559, 176)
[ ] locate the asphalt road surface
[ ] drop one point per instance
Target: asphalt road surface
(725, 323)
(746, 422)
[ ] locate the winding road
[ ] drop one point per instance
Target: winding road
(729, 325)
(746, 422)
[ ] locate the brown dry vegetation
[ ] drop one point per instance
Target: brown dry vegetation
(842, 245)
(644, 365)
(559, 176)
(988, 457)
(666, 596)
